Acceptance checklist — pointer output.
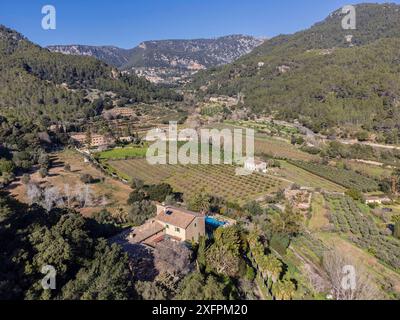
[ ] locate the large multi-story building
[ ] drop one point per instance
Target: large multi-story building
(97, 140)
(120, 112)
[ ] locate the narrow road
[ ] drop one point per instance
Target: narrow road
(371, 144)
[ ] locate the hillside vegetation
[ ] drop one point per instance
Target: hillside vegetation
(318, 77)
(38, 84)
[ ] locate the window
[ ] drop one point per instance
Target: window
(177, 230)
(167, 226)
(195, 225)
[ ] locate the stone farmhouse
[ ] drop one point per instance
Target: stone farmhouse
(119, 112)
(377, 200)
(255, 165)
(97, 140)
(171, 223)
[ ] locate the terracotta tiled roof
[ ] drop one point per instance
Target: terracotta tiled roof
(177, 217)
(149, 229)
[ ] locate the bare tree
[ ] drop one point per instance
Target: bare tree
(348, 279)
(77, 195)
(83, 195)
(87, 196)
(33, 193)
(51, 198)
(68, 195)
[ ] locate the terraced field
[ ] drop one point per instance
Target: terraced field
(307, 179)
(279, 149)
(354, 220)
(218, 180)
(272, 146)
(369, 170)
(346, 178)
(141, 169)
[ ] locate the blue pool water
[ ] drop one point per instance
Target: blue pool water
(214, 222)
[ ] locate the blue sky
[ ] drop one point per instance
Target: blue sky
(126, 23)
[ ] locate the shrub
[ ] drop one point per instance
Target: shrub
(280, 243)
(137, 184)
(87, 178)
(136, 196)
(355, 194)
(250, 273)
(6, 166)
(159, 192)
(26, 178)
(311, 150)
(140, 212)
(43, 173)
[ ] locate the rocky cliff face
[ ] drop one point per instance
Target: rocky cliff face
(114, 56)
(169, 61)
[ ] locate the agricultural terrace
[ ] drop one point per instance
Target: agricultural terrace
(211, 109)
(343, 177)
(309, 248)
(274, 147)
(356, 222)
(370, 170)
(218, 180)
(269, 127)
(122, 153)
(340, 222)
(319, 213)
(306, 179)
(279, 148)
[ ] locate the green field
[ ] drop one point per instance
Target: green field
(122, 153)
(218, 180)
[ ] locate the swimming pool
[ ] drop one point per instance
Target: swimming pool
(214, 222)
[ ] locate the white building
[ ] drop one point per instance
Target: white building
(255, 165)
(377, 200)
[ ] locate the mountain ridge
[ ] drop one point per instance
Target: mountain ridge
(169, 60)
(112, 55)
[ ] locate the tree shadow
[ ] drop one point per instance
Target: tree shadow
(141, 257)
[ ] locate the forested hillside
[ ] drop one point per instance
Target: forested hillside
(36, 83)
(87, 266)
(325, 76)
